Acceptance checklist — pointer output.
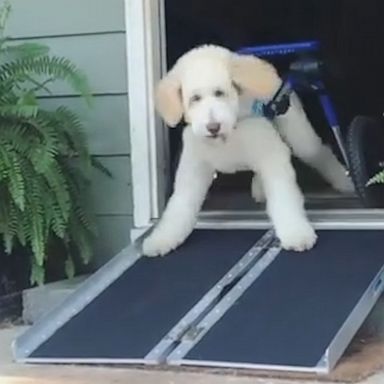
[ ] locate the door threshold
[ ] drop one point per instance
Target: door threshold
(324, 219)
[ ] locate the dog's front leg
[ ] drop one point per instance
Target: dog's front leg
(285, 202)
(193, 179)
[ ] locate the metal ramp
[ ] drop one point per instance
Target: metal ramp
(226, 298)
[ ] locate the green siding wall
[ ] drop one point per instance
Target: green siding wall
(92, 34)
(36, 18)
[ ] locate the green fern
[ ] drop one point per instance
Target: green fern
(44, 159)
(24, 50)
(377, 179)
(25, 70)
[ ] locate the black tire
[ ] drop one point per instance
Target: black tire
(365, 149)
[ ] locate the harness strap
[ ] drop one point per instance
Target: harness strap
(278, 105)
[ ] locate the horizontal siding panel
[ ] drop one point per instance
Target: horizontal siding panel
(33, 18)
(114, 235)
(112, 195)
(101, 57)
(106, 122)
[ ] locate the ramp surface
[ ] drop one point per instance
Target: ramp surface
(226, 298)
(293, 312)
(130, 317)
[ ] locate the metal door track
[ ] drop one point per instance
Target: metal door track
(227, 298)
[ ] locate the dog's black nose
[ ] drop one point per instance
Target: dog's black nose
(213, 128)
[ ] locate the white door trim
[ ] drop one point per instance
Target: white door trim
(145, 38)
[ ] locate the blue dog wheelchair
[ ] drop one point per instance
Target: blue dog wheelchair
(361, 147)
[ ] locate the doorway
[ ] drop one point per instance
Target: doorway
(344, 47)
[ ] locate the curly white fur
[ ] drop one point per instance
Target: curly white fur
(214, 89)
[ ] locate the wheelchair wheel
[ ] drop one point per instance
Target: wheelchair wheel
(365, 148)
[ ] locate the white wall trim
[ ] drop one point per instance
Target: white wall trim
(144, 67)
(137, 232)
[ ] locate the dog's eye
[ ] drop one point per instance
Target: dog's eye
(219, 93)
(195, 99)
(237, 88)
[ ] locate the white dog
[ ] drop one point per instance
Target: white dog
(214, 89)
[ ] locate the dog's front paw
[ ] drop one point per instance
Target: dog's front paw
(344, 185)
(157, 244)
(298, 237)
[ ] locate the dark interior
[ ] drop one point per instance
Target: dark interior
(351, 34)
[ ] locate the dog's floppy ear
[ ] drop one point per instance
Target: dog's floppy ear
(255, 76)
(168, 99)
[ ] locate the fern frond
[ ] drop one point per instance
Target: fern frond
(71, 134)
(20, 230)
(377, 179)
(5, 162)
(7, 96)
(23, 50)
(36, 225)
(43, 155)
(16, 180)
(37, 274)
(8, 220)
(18, 110)
(100, 167)
(20, 139)
(82, 240)
(9, 237)
(58, 184)
(11, 170)
(56, 67)
(70, 267)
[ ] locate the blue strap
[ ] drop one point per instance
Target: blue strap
(258, 108)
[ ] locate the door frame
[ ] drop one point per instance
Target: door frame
(146, 61)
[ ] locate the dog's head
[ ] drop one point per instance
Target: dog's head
(204, 87)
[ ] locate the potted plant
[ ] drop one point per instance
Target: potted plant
(44, 164)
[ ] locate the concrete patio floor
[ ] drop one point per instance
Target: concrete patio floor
(11, 373)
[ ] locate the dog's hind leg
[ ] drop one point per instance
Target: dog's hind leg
(299, 134)
(193, 179)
